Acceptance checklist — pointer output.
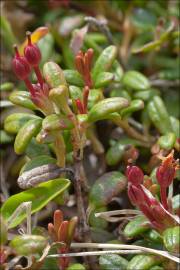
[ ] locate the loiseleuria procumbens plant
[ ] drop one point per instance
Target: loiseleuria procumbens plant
(64, 107)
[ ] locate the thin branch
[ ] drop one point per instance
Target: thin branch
(128, 247)
(119, 212)
(165, 83)
(102, 27)
(94, 253)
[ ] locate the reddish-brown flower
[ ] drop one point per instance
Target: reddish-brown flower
(135, 175)
(20, 65)
(166, 171)
(32, 52)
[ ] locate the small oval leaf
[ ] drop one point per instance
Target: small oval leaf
(104, 61)
(135, 80)
(106, 187)
(137, 226)
(159, 115)
(73, 77)
(28, 244)
(25, 134)
(56, 122)
(167, 141)
(143, 262)
(112, 262)
(135, 105)
(171, 239)
(103, 79)
(105, 107)
(53, 74)
(15, 121)
(23, 99)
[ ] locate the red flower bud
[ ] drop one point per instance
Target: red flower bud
(165, 175)
(135, 194)
(20, 65)
(32, 52)
(135, 175)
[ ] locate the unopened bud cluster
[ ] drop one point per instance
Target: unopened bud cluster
(62, 231)
(23, 66)
(159, 214)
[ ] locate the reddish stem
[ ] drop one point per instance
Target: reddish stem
(16, 50)
(28, 34)
(163, 197)
(30, 87)
(85, 98)
(79, 106)
(39, 76)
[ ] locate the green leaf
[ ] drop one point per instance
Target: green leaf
(73, 77)
(46, 46)
(28, 244)
(40, 196)
(151, 46)
(157, 267)
(53, 75)
(103, 79)
(76, 266)
(146, 95)
(5, 138)
(120, 93)
(105, 107)
(171, 239)
(37, 162)
(54, 122)
(176, 204)
(75, 92)
(175, 123)
(143, 262)
(135, 80)
(153, 235)
(137, 226)
(35, 149)
(115, 154)
(112, 262)
(22, 98)
(167, 141)
(144, 20)
(25, 134)
(95, 95)
(106, 187)
(135, 105)
(104, 61)
(15, 121)
(98, 221)
(159, 115)
(7, 86)
(7, 33)
(117, 71)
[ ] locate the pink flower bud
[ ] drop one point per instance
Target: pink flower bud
(135, 175)
(32, 52)
(20, 65)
